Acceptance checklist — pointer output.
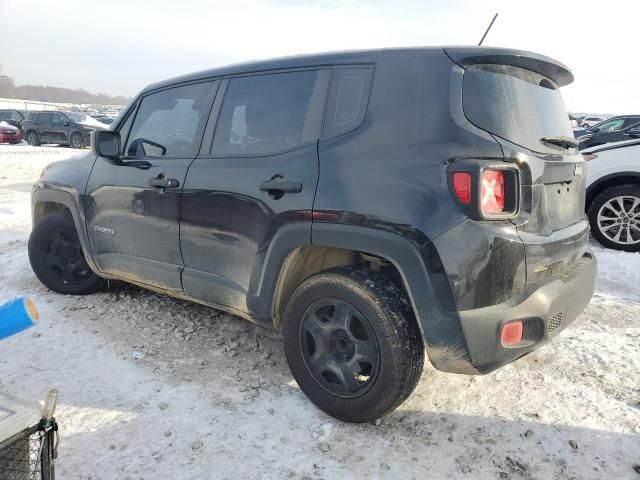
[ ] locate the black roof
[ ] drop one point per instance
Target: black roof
(461, 55)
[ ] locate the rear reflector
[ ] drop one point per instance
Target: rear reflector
(462, 186)
(511, 333)
(492, 191)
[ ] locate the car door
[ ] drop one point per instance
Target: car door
(254, 176)
(44, 124)
(132, 204)
(59, 132)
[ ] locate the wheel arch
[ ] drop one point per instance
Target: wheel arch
(292, 258)
(45, 201)
(609, 181)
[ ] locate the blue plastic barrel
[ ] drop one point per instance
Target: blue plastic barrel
(17, 315)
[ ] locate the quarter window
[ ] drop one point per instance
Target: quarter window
(263, 114)
(347, 100)
(167, 122)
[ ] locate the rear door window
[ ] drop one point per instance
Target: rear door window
(168, 122)
(263, 114)
(348, 98)
(516, 104)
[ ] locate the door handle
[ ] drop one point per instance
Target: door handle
(279, 184)
(161, 181)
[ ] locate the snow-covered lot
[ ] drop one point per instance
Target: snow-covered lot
(153, 387)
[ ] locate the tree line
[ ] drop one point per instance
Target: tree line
(8, 89)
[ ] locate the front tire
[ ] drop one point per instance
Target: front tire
(614, 216)
(76, 141)
(57, 258)
(33, 139)
(352, 343)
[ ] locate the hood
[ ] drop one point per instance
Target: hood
(7, 126)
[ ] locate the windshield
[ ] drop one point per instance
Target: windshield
(82, 118)
(516, 104)
(77, 117)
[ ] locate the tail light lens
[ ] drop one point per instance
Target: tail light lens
(486, 190)
(492, 192)
(462, 186)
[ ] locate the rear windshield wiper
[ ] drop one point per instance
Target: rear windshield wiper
(564, 142)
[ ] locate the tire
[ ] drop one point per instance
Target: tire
(57, 258)
(76, 141)
(352, 343)
(33, 139)
(614, 225)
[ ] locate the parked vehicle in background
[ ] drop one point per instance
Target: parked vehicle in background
(615, 129)
(106, 119)
(64, 128)
(13, 117)
(299, 193)
(588, 122)
(613, 194)
(9, 133)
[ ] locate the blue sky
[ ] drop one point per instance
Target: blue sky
(119, 46)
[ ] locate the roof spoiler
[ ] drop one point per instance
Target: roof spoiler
(467, 56)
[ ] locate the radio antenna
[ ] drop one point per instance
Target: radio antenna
(488, 28)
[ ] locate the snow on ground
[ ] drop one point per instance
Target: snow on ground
(153, 387)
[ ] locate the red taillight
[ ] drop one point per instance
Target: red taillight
(492, 191)
(462, 186)
(511, 333)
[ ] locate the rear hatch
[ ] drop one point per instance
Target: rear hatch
(515, 97)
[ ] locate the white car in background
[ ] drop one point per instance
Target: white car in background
(613, 194)
(588, 122)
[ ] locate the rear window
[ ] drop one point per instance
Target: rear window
(516, 104)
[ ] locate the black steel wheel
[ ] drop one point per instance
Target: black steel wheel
(76, 141)
(352, 343)
(339, 347)
(57, 258)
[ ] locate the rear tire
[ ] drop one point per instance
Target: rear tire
(352, 343)
(33, 139)
(57, 258)
(614, 216)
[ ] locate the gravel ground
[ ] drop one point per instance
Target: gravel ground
(153, 387)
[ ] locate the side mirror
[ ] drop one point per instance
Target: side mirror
(634, 133)
(66, 124)
(105, 143)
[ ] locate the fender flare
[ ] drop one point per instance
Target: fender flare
(441, 329)
(51, 195)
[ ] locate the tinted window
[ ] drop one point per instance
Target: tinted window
(263, 114)
(348, 98)
(59, 119)
(16, 116)
(516, 104)
(631, 121)
(167, 122)
(45, 117)
(5, 115)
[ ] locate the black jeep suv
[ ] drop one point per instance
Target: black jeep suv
(368, 205)
(64, 128)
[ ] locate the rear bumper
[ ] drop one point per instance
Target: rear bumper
(545, 311)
